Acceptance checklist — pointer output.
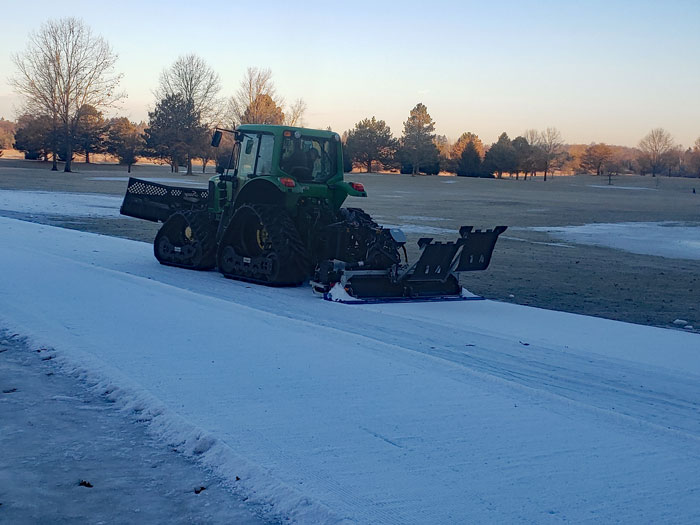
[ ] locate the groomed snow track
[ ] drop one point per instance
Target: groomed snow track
(394, 413)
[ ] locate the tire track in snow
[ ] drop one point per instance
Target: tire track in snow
(661, 399)
(656, 397)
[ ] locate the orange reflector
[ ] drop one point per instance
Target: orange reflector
(286, 181)
(287, 133)
(357, 186)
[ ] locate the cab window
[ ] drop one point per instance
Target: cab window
(309, 159)
(256, 155)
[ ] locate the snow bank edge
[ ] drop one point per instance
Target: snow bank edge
(256, 484)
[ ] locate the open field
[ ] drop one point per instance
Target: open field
(318, 412)
(529, 267)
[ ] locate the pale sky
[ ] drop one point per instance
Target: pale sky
(599, 71)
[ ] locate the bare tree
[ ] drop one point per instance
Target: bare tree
(655, 147)
(64, 68)
(552, 148)
(257, 85)
(694, 158)
(532, 162)
(295, 114)
(256, 82)
(191, 77)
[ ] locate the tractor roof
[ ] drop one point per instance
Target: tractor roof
(278, 130)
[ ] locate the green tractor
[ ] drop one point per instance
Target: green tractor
(275, 217)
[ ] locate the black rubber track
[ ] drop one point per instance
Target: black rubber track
(282, 259)
(172, 246)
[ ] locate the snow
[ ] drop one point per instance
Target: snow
(60, 204)
(338, 294)
(418, 228)
(529, 241)
(665, 239)
(72, 204)
(421, 218)
(619, 187)
(159, 180)
(449, 412)
(55, 433)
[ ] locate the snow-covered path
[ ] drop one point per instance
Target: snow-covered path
(399, 413)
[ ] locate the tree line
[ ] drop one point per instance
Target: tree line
(370, 146)
(67, 80)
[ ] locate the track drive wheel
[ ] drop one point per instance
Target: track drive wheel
(188, 240)
(261, 243)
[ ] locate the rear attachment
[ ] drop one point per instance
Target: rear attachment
(435, 276)
(157, 202)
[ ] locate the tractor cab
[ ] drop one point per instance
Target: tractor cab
(304, 154)
(297, 162)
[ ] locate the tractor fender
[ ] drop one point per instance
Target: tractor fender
(261, 191)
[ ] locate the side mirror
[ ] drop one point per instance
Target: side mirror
(248, 147)
(216, 139)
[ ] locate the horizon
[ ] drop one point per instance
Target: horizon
(605, 74)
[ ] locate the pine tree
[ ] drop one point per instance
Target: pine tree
(463, 140)
(371, 141)
(174, 131)
(500, 157)
(34, 136)
(469, 164)
(89, 132)
(124, 141)
(417, 144)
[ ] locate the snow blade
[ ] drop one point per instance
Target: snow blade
(435, 276)
(157, 202)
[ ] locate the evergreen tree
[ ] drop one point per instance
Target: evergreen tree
(501, 156)
(523, 154)
(463, 140)
(34, 136)
(371, 141)
(89, 132)
(124, 141)
(174, 131)
(469, 164)
(417, 144)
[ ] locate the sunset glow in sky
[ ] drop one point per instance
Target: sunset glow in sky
(599, 71)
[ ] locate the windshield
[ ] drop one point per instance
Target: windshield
(310, 159)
